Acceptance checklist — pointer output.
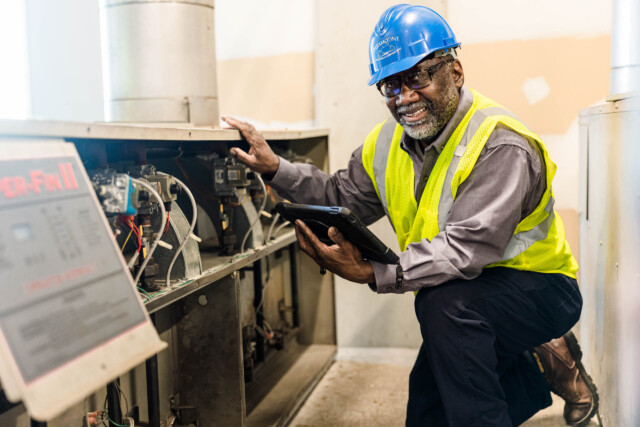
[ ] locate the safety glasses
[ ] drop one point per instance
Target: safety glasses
(416, 78)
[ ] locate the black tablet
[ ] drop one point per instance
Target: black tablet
(320, 218)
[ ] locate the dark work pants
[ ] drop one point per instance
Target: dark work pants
(473, 368)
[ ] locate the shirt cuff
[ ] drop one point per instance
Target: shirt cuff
(385, 275)
(285, 176)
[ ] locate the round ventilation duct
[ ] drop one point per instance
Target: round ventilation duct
(159, 61)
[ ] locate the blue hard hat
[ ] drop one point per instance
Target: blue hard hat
(404, 36)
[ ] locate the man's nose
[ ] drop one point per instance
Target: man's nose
(407, 95)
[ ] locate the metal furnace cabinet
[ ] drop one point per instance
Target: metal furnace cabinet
(609, 250)
(223, 366)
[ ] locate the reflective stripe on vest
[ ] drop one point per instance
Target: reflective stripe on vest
(446, 198)
(520, 241)
(385, 138)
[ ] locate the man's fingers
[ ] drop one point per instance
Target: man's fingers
(310, 235)
(343, 243)
(241, 156)
(260, 158)
(305, 245)
(232, 122)
(336, 236)
(244, 127)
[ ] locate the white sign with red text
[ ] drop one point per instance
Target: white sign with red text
(70, 317)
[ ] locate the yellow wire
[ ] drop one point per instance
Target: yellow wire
(125, 242)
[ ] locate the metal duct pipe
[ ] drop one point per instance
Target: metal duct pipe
(159, 61)
(625, 48)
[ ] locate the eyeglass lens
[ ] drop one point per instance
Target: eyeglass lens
(413, 79)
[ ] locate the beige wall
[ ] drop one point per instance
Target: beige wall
(544, 81)
(266, 61)
(271, 91)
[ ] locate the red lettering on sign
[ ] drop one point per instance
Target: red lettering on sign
(74, 273)
(13, 186)
(36, 181)
(72, 176)
(39, 181)
(52, 182)
(45, 283)
(63, 172)
(56, 279)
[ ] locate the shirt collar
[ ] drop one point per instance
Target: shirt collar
(466, 99)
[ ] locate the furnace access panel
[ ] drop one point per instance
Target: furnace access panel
(70, 318)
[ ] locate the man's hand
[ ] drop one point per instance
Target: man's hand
(343, 258)
(260, 158)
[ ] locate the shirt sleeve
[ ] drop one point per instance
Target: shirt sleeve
(350, 187)
(505, 185)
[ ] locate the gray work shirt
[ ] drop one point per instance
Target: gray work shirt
(504, 187)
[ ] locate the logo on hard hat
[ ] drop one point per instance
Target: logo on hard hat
(386, 47)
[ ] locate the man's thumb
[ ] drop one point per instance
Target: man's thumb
(336, 236)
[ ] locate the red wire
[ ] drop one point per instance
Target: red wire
(166, 227)
(139, 233)
(136, 231)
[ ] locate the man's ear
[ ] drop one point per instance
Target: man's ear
(458, 73)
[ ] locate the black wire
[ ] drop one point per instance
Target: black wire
(104, 406)
(266, 279)
(264, 285)
(121, 393)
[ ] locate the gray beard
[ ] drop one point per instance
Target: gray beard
(429, 127)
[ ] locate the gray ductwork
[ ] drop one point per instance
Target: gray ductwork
(625, 49)
(159, 61)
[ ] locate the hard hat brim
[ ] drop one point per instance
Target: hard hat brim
(396, 67)
(402, 65)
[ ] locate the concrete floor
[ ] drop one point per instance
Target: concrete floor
(368, 387)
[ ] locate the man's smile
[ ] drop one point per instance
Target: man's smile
(414, 113)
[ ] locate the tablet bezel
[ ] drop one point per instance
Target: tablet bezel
(321, 218)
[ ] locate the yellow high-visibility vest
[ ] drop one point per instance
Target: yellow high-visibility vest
(538, 242)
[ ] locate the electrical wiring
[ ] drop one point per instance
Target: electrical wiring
(192, 227)
(133, 260)
(134, 230)
(260, 304)
(126, 240)
(124, 396)
(137, 232)
(113, 423)
(267, 329)
(116, 230)
(142, 291)
(150, 297)
(159, 234)
(280, 227)
(106, 412)
(262, 205)
(273, 223)
(166, 227)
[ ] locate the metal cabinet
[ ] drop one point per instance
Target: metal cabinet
(609, 252)
(217, 371)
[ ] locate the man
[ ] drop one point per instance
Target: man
(467, 188)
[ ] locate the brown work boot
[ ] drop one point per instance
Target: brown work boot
(560, 359)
